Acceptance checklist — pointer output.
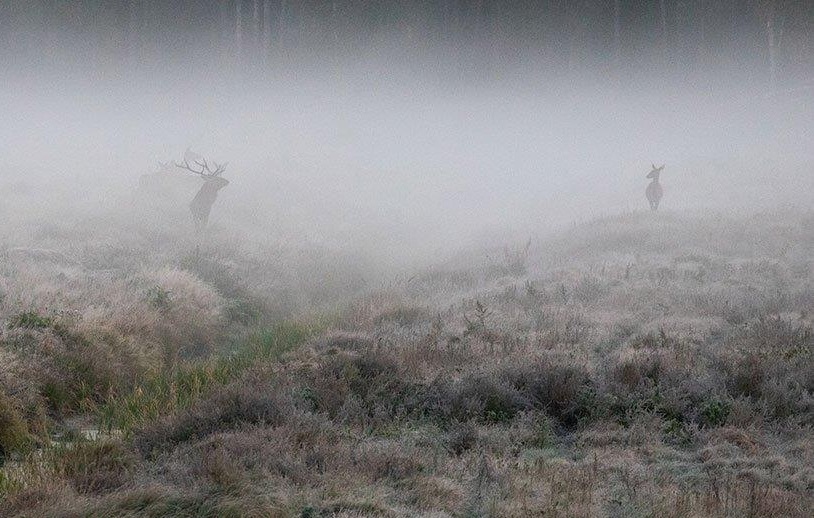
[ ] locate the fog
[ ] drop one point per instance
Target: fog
(396, 151)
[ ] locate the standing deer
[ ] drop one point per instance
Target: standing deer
(201, 205)
(654, 191)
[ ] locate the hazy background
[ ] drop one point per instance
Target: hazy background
(409, 128)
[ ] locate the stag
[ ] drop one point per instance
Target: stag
(654, 191)
(201, 205)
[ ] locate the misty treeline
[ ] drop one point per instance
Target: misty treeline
(769, 41)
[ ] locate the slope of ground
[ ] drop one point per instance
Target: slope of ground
(644, 365)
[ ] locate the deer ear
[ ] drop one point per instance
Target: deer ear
(653, 165)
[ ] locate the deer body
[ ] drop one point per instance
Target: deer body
(201, 205)
(654, 192)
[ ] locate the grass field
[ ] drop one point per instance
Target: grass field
(653, 365)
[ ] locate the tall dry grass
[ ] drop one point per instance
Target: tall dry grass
(638, 366)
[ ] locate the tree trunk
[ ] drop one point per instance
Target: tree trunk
(573, 37)
(238, 29)
(617, 34)
(281, 25)
(335, 21)
(701, 16)
(224, 29)
(733, 30)
(266, 27)
(770, 40)
(255, 26)
(132, 30)
(663, 14)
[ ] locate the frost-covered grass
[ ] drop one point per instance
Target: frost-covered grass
(644, 365)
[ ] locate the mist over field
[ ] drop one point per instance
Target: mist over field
(344, 141)
(384, 258)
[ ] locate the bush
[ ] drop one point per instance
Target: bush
(714, 412)
(30, 320)
(393, 465)
(88, 371)
(515, 259)
(486, 397)
(562, 391)
(657, 381)
(635, 372)
(241, 403)
(461, 438)
(372, 379)
(589, 290)
(158, 298)
(191, 312)
(96, 467)
(558, 389)
(532, 430)
(768, 363)
(747, 375)
(14, 435)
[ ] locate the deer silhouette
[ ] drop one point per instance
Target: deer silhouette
(201, 204)
(654, 191)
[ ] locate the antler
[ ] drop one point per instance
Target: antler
(203, 167)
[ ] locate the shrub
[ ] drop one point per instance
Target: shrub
(746, 375)
(563, 391)
(241, 403)
(656, 381)
(589, 290)
(391, 464)
(190, 322)
(781, 337)
(158, 298)
(14, 435)
(768, 362)
(558, 389)
(373, 379)
(487, 397)
(243, 311)
(461, 437)
(400, 315)
(532, 430)
(242, 305)
(635, 371)
(515, 259)
(95, 467)
(714, 412)
(651, 340)
(89, 370)
(343, 341)
(220, 468)
(677, 432)
(30, 320)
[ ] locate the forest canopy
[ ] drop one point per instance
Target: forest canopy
(765, 42)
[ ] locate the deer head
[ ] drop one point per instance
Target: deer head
(655, 172)
(202, 168)
(210, 174)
